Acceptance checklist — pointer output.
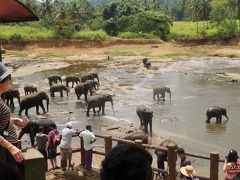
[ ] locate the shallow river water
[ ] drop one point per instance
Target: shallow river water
(196, 85)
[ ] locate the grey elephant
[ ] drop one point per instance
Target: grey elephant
(83, 88)
(98, 101)
(146, 63)
(161, 91)
(34, 100)
(73, 79)
(90, 76)
(162, 155)
(58, 88)
(93, 83)
(33, 128)
(217, 112)
(55, 79)
(9, 95)
(28, 89)
(145, 115)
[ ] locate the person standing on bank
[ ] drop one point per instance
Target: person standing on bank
(65, 146)
(88, 139)
(231, 166)
(10, 155)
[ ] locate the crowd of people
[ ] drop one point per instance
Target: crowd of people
(122, 162)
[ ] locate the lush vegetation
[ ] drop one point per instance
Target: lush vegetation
(149, 19)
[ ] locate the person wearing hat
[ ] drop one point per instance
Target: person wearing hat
(9, 154)
(65, 145)
(231, 166)
(88, 139)
(187, 173)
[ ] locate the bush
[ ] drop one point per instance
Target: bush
(91, 35)
(133, 35)
(15, 37)
(228, 28)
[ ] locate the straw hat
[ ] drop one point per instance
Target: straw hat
(187, 171)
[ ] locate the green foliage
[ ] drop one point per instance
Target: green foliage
(111, 27)
(133, 35)
(228, 28)
(62, 29)
(91, 35)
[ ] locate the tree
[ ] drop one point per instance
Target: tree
(236, 4)
(46, 8)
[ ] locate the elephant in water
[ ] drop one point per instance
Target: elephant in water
(93, 83)
(55, 79)
(146, 63)
(58, 88)
(9, 95)
(33, 128)
(217, 112)
(90, 76)
(83, 88)
(98, 101)
(32, 100)
(162, 155)
(73, 79)
(145, 115)
(162, 91)
(28, 89)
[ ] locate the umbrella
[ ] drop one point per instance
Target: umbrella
(14, 11)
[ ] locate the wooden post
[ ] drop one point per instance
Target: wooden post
(82, 152)
(171, 159)
(108, 144)
(214, 165)
(139, 142)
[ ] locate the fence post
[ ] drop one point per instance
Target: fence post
(139, 142)
(171, 159)
(108, 144)
(82, 152)
(214, 168)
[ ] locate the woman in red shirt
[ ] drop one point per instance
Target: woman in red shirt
(231, 165)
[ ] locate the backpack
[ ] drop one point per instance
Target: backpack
(56, 138)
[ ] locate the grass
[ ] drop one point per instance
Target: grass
(133, 35)
(186, 29)
(91, 35)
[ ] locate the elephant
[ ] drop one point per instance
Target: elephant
(162, 91)
(83, 88)
(145, 115)
(32, 100)
(55, 79)
(73, 79)
(9, 95)
(93, 83)
(98, 101)
(33, 128)
(58, 88)
(28, 89)
(90, 76)
(217, 112)
(162, 155)
(146, 63)
(136, 135)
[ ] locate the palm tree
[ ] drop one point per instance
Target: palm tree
(236, 4)
(75, 12)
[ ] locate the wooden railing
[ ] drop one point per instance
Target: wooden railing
(171, 157)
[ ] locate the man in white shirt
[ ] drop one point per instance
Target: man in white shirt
(65, 146)
(88, 139)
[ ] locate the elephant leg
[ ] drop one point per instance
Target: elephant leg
(42, 106)
(220, 119)
(11, 104)
(52, 94)
(158, 97)
(72, 84)
(88, 108)
(94, 111)
(7, 102)
(61, 93)
(67, 83)
(20, 135)
(37, 109)
(145, 124)
(103, 108)
(150, 124)
(32, 139)
(20, 111)
(78, 96)
(208, 119)
(26, 111)
(154, 96)
(99, 109)
(85, 96)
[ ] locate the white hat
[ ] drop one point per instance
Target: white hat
(69, 125)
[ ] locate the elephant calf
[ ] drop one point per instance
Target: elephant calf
(161, 91)
(145, 115)
(216, 112)
(98, 101)
(32, 100)
(55, 79)
(33, 128)
(146, 63)
(28, 89)
(58, 88)
(9, 95)
(73, 79)
(83, 88)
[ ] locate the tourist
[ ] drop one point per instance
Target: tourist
(183, 157)
(88, 139)
(187, 173)
(10, 155)
(128, 162)
(65, 146)
(231, 166)
(51, 147)
(41, 140)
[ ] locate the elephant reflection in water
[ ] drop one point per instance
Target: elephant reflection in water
(34, 100)
(161, 91)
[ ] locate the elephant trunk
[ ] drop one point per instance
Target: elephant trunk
(112, 106)
(226, 116)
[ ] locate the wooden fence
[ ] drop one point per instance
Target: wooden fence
(171, 157)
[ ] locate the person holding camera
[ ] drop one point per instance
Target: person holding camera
(231, 166)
